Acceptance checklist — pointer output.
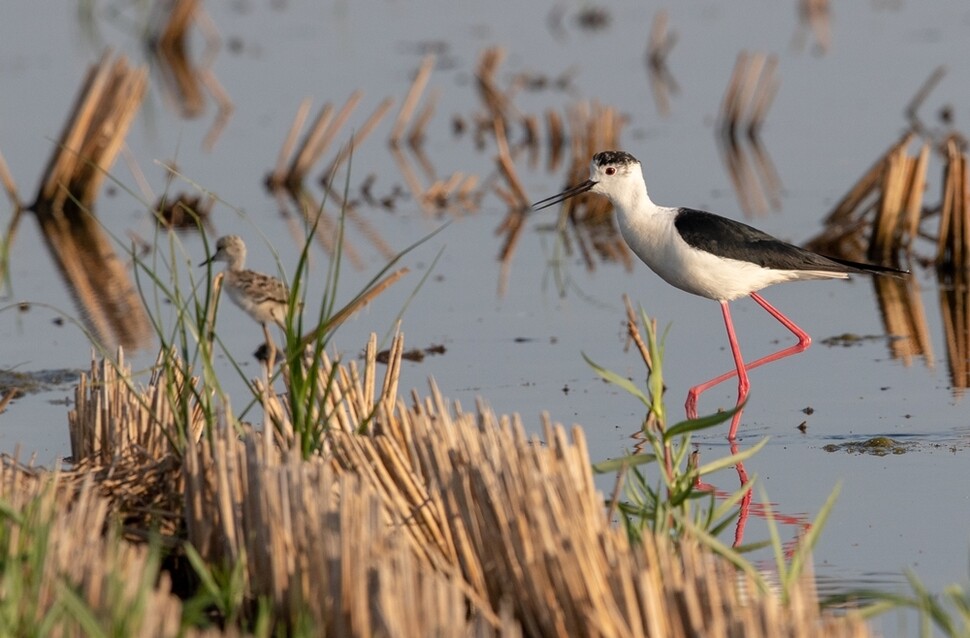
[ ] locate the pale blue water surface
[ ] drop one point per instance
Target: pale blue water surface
(520, 349)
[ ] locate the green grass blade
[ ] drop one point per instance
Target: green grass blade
(728, 553)
(807, 543)
(614, 465)
(700, 423)
(617, 380)
(79, 611)
(731, 460)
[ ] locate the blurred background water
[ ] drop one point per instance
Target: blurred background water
(513, 333)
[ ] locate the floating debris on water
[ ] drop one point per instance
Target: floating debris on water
(416, 355)
(849, 339)
(876, 446)
(34, 381)
(184, 211)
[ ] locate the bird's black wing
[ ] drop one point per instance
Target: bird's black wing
(734, 240)
(873, 268)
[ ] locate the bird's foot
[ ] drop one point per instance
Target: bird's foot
(266, 354)
(691, 405)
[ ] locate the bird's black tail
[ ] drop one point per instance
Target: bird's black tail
(870, 268)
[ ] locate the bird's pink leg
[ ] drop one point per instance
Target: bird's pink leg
(804, 341)
(743, 384)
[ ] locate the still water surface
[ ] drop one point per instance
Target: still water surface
(514, 337)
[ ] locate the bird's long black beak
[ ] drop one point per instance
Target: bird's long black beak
(207, 261)
(563, 196)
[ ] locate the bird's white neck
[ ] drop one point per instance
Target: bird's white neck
(646, 227)
(633, 205)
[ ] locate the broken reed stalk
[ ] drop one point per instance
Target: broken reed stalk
(892, 191)
(7, 397)
(955, 313)
(633, 334)
(324, 131)
(901, 308)
(6, 178)
(851, 202)
(182, 84)
(753, 176)
(592, 128)
(660, 41)
(764, 95)
(923, 92)
(109, 304)
(359, 136)
(181, 14)
(894, 188)
(507, 166)
(894, 182)
(731, 107)
(953, 243)
(324, 225)
(309, 150)
(289, 142)
(898, 213)
(416, 136)
(183, 210)
(914, 202)
(318, 139)
(496, 101)
(88, 145)
(816, 16)
(458, 193)
(556, 138)
(750, 92)
(94, 132)
(530, 126)
(411, 99)
(659, 45)
(512, 227)
(359, 303)
(370, 232)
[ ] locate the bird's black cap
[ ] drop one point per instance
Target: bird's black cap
(614, 157)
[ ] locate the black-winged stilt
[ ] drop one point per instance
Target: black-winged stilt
(707, 255)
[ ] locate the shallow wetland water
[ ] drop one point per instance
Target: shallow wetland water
(513, 332)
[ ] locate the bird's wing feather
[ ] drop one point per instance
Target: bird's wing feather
(261, 287)
(873, 268)
(734, 240)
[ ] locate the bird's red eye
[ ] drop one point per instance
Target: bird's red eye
(610, 170)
